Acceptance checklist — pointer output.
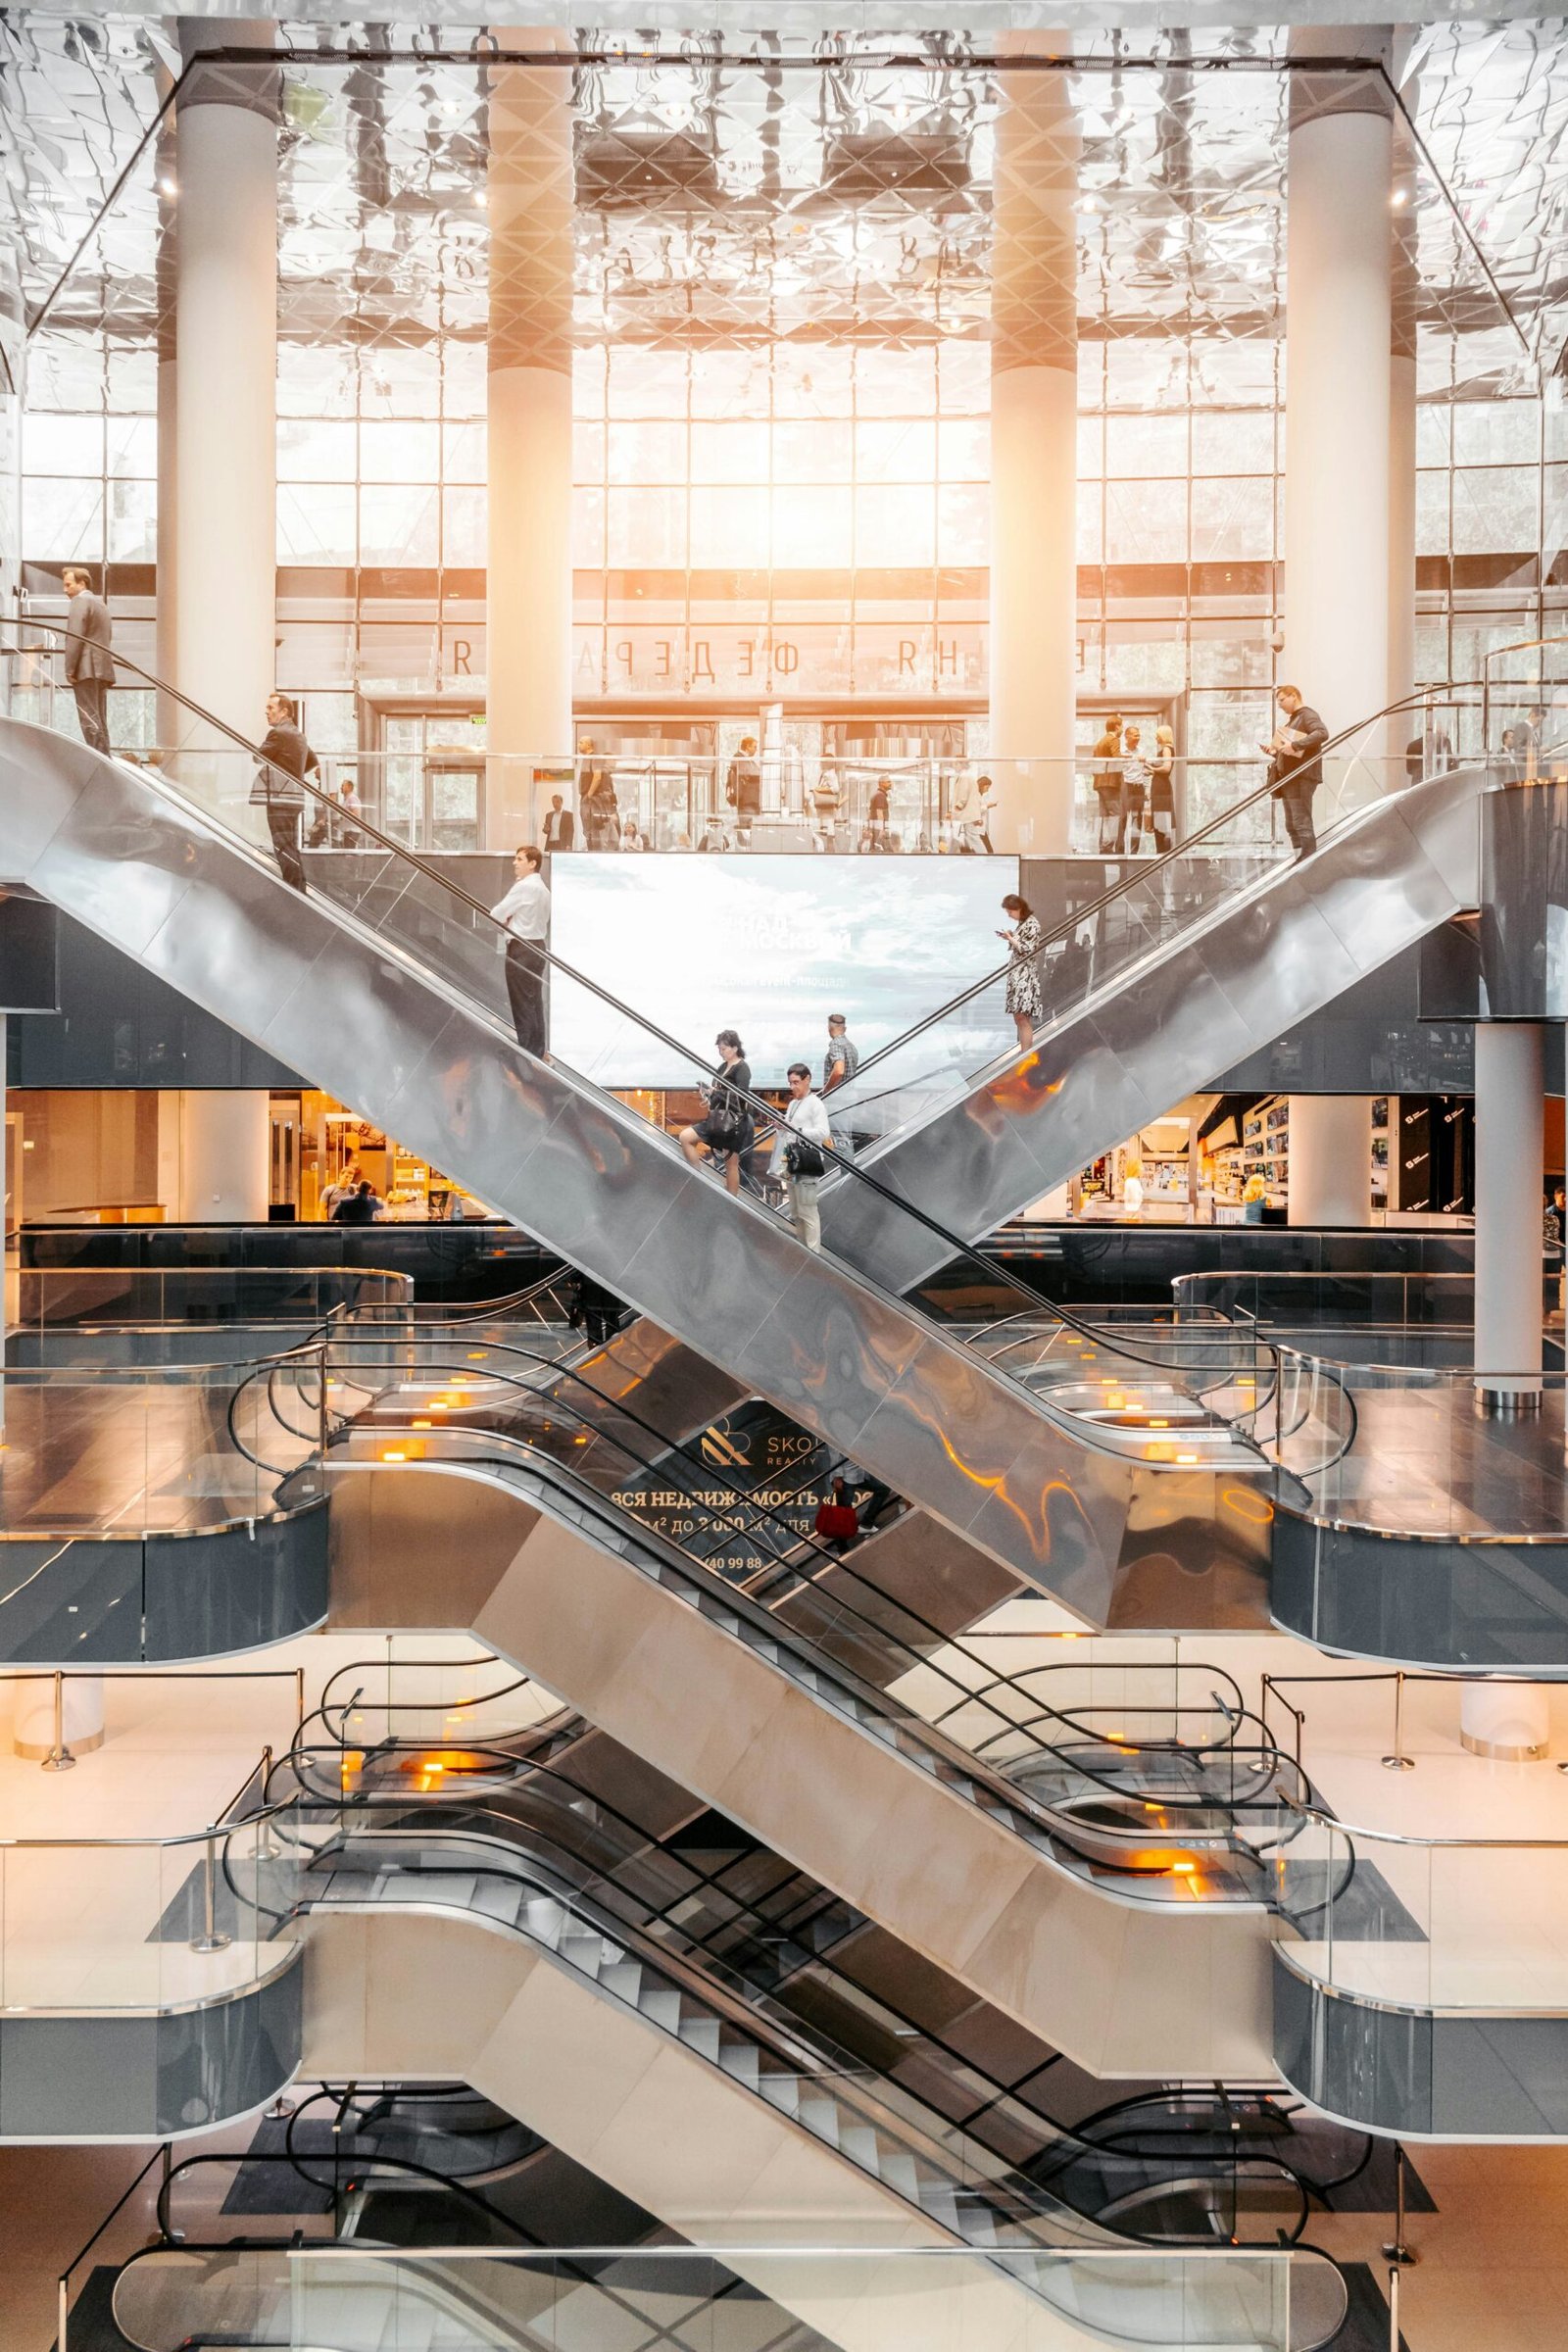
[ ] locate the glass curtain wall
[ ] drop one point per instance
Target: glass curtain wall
(781, 392)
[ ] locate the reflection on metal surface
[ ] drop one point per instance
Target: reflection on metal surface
(1176, 1016)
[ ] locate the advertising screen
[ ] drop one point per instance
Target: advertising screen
(769, 945)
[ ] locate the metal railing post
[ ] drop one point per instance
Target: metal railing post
(60, 1757)
(1402, 2256)
(1399, 1761)
(211, 1939)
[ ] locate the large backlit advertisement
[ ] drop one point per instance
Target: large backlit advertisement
(769, 945)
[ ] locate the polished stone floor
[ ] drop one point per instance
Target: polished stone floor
(1426, 1461)
(119, 1454)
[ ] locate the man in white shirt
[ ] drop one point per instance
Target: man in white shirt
(805, 1121)
(989, 803)
(525, 911)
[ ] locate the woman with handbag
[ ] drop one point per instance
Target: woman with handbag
(799, 1155)
(725, 1130)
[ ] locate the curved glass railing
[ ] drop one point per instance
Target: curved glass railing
(403, 907)
(113, 1926)
(305, 2298)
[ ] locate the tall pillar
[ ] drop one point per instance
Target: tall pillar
(166, 661)
(1339, 339)
(223, 1142)
(1331, 1159)
(1510, 1119)
(225, 379)
(528, 577)
(1403, 289)
(1034, 448)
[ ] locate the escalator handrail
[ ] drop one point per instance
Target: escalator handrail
(756, 1105)
(1142, 868)
(780, 1633)
(830, 1564)
(1070, 2142)
(706, 1980)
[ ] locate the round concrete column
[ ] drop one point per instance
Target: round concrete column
(1339, 339)
(528, 580)
(1331, 1159)
(1510, 1114)
(1033, 449)
(225, 377)
(1402, 455)
(1509, 1722)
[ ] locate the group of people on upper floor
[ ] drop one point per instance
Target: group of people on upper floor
(1133, 785)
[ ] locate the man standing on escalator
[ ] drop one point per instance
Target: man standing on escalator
(90, 664)
(283, 758)
(1295, 766)
(524, 914)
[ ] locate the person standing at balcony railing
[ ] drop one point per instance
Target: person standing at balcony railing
(1162, 790)
(1107, 785)
(1295, 767)
(524, 914)
(1131, 819)
(743, 788)
(89, 663)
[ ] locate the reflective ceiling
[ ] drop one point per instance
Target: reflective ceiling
(837, 187)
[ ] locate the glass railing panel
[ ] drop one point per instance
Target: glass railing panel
(696, 2301)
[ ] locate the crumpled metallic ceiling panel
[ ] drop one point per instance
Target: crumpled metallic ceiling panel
(802, 188)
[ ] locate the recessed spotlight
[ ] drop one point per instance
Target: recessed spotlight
(1402, 196)
(168, 188)
(480, 198)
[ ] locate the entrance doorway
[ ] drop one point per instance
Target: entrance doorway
(919, 761)
(422, 771)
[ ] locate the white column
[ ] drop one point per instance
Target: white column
(528, 577)
(1034, 451)
(1330, 1159)
(1511, 1116)
(225, 362)
(223, 1142)
(1402, 440)
(1338, 328)
(165, 659)
(1508, 1722)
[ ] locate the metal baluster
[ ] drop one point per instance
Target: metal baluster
(60, 1757)
(211, 1939)
(1399, 1761)
(1402, 2256)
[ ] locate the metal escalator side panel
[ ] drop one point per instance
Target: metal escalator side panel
(1213, 992)
(366, 1022)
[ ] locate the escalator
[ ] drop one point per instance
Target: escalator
(623, 1923)
(713, 1639)
(1188, 962)
(390, 996)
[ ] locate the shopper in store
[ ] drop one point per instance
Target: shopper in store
(879, 815)
(1023, 941)
(560, 826)
(594, 1311)
(1295, 765)
(725, 1130)
(1107, 773)
(350, 1181)
(1162, 790)
(988, 810)
(837, 1521)
(601, 813)
(743, 790)
(283, 758)
(1137, 780)
(524, 915)
(89, 663)
(839, 1066)
(362, 1206)
(797, 1154)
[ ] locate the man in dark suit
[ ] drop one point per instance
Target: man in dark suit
(90, 664)
(283, 760)
(1296, 766)
(560, 826)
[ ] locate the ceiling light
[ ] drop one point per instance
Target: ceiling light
(1402, 196)
(168, 188)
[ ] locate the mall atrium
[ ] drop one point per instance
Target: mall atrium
(884, 1668)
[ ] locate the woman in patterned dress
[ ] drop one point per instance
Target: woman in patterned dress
(1024, 980)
